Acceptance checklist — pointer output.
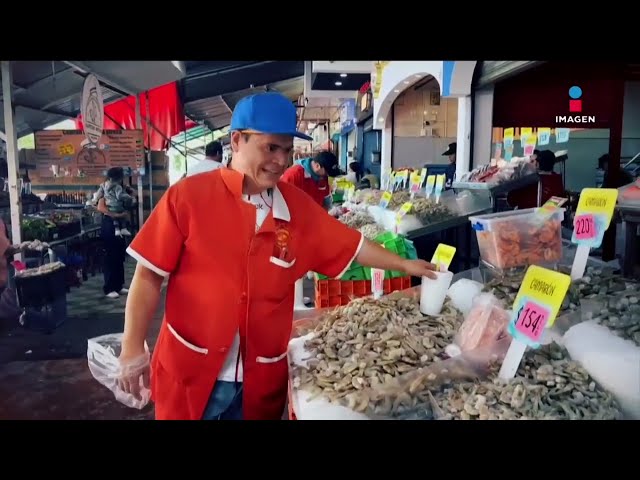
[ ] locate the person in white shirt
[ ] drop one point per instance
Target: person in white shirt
(212, 159)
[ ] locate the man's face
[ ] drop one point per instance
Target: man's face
(262, 157)
(452, 158)
(318, 169)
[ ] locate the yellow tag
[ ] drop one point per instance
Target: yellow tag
(404, 209)
(66, 149)
(545, 287)
(508, 133)
(440, 183)
(415, 182)
(553, 203)
(423, 175)
(598, 201)
(386, 198)
(443, 256)
(525, 132)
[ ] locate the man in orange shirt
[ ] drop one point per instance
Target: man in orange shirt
(311, 176)
(222, 352)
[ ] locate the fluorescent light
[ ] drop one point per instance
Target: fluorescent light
(343, 75)
(338, 84)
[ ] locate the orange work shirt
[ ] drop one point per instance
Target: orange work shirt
(298, 176)
(225, 277)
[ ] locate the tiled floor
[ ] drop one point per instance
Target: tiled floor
(45, 376)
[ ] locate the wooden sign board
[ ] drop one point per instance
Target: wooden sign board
(72, 155)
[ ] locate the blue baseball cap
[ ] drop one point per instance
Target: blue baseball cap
(269, 112)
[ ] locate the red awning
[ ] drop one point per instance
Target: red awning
(165, 112)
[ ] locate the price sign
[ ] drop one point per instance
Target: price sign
(539, 298)
(423, 176)
(440, 179)
(584, 226)
(530, 145)
(544, 134)
(431, 181)
(532, 320)
(377, 282)
(600, 204)
(404, 209)
(415, 182)
(443, 256)
(386, 198)
(405, 176)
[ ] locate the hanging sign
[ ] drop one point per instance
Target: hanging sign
(92, 109)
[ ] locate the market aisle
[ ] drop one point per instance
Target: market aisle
(46, 376)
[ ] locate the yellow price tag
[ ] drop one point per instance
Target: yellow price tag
(431, 181)
(525, 132)
(546, 288)
(423, 175)
(508, 134)
(415, 182)
(598, 201)
(66, 149)
(593, 216)
(404, 209)
(443, 256)
(386, 198)
(440, 179)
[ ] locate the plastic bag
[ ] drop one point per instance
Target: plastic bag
(483, 328)
(463, 292)
(102, 354)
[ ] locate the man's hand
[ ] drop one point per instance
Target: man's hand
(419, 268)
(135, 371)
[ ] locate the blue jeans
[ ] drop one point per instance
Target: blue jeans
(225, 402)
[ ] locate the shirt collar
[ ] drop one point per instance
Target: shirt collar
(233, 181)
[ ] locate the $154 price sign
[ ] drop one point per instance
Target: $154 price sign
(537, 304)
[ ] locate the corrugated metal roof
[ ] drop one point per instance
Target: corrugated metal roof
(216, 111)
(46, 93)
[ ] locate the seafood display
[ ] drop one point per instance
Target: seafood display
(41, 270)
(398, 198)
(371, 231)
(34, 245)
(516, 240)
(500, 173)
(428, 211)
(547, 386)
(369, 342)
(608, 298)
(356, 219)
(368, 196)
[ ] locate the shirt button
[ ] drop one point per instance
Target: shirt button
(223, 349)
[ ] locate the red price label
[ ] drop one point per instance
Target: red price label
(377, 280)
(585, 227)
(532, 318)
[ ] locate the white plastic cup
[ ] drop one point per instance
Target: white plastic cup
(434, 292)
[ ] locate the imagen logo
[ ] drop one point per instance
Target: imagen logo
(575, 107)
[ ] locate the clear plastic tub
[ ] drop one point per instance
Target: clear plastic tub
(519, 238)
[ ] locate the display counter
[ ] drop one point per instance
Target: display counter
(386, 360)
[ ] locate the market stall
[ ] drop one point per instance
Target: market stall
(384, 358)
(629, 210)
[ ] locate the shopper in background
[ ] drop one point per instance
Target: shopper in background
(212, 159)
(369, 180)
(527, 197)
(311, 176)
(9, 311)
(451, 168)
(222, 352)
(624, 177)
(115, 252)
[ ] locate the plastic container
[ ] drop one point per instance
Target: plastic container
(434, 292)
(519, 238)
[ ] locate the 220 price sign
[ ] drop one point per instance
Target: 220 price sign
(532, 319)
(585, 227)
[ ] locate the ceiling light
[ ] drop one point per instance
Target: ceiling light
(343, 75)
(338, 84)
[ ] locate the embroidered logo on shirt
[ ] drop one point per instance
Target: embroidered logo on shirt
(282, 243)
